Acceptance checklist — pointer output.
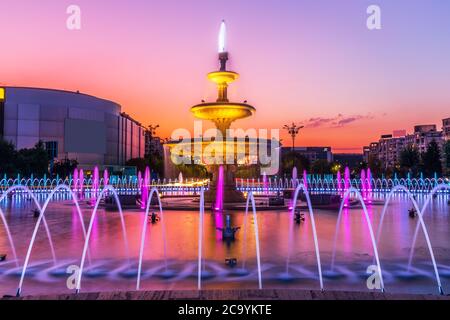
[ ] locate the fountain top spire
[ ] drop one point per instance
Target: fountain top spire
(223, 54)
(222, 37)
(222, 112)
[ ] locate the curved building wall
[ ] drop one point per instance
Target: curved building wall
(85, 128)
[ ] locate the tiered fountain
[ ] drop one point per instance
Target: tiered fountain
(223, 113)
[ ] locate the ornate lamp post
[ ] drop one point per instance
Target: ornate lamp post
(293, 131)
(150, 132)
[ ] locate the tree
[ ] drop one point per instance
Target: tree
(193, 171)
(410, 159)
(432, 159)
(156, 163)
(249, 171)
(8, 157)
(65, 168)
(33, 161)
(447, 157)
(321, 166)
(299, 161)
(375, 166)
(139, 163)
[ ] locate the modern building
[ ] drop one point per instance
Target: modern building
(389, 147)
(153, 145)
(351, 160)
(422, 137)
(446, 128)
(312, 153)
(73, 125)
(389, 150)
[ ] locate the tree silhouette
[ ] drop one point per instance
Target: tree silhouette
(410, 159)
(432, 159)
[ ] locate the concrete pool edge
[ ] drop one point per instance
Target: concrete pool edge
(242, 295)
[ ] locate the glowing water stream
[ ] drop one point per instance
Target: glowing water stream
(144, 232)
(313, 226)
(42, 217)
(416, 232)
(91, 225)
(369, 225)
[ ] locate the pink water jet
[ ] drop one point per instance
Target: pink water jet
(339, 181)
(363, 184)
(265, 184)
(75, 180)
(369, 185)
(145, 188)
(105, 178)
(139, 180)
(218, 206)
(346, 184)
(305, 179)
(95, 182)
(81, 182)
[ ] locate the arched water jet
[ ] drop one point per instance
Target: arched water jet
(10, 239)
(421, 214)
(144, 232)
(369, 225)
(420, 224)
(91, 225)
(313, 226)
(251, 198)
(28, 192)
(36, 228)
(200, 238)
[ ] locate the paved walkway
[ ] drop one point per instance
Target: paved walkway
(237, 295)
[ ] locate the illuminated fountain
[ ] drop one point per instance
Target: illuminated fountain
(222, 113)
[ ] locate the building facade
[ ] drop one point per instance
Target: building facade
(389, 147)
(312, 153)
(446, 128)
(75, 126)
(422, 137)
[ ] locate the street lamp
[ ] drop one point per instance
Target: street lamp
(151, 132)
(293, 131)
(152, 129)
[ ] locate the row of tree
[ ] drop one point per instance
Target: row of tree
(430, 162)
(25, 162)
(34, 161)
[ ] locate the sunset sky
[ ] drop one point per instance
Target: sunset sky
(310, 61)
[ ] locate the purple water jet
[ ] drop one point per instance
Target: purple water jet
(346, 184)
(145, 188)
(363, 184)
(218, 206)
(339, 181)
(95, 182)
(105, 178)
(305, 179)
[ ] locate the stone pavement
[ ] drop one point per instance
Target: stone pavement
(249, 295)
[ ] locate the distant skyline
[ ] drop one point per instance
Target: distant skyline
(312, 62)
